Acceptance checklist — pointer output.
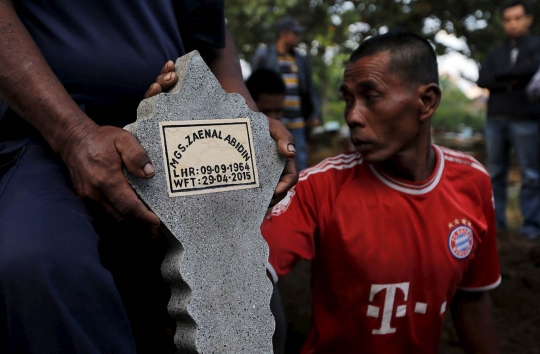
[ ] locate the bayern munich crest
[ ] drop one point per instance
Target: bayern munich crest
(461, 241)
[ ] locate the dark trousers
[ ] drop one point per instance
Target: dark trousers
(71, 279)
(523, 136)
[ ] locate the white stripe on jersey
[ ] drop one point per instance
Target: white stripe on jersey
(483, 288)
(339, 162)
(464, 159)
(410, 188)
(405, 184)
(478, 166)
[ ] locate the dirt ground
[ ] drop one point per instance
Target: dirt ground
(516, 301)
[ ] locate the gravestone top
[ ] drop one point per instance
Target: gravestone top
(216, 168)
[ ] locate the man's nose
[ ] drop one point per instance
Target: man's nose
(355, 117)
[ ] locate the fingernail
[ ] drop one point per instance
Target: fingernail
(168, 77)
(149, 169)
(150, 87)
(291, 148)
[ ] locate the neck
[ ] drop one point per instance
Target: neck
(282, 47)
(413, 164)
(514, 40)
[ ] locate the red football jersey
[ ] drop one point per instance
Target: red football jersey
(387, 254)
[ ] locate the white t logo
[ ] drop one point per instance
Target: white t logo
(373, 311)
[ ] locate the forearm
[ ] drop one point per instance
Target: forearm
(486, 79)
(30, 88)
(487, 75)
(226, 68)
(473, 319)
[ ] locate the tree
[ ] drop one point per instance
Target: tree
(476, 21)
(335, 28)
(456, 110)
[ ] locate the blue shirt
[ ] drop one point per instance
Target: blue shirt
(104, 52)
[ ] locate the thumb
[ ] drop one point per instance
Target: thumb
(135, 157)
(285, 140)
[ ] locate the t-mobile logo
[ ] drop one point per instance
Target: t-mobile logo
(374, 311)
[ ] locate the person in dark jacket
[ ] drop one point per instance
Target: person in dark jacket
(512, 120)
(302, 105)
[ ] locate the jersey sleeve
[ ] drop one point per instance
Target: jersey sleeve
(289, 230)
(483, 273)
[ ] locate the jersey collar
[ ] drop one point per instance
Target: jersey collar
(414, 188)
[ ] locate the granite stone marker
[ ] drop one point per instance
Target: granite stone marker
(216, 169)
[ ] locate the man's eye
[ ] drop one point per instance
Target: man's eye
(369, 97)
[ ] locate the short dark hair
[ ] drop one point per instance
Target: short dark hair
(412, 57)
(511, 3)
(287, 23)
(265, 81)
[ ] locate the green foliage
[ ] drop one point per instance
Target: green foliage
(329, 22)
(456, 110)
(335, 27)
(335, 111)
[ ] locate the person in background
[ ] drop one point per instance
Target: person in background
(302, 106)
(512, 119)
(268, 91)
(399, 231)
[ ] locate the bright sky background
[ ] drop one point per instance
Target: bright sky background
(461, 68)
(454, 62)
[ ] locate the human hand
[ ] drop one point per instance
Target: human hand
(278, 132)
(95, 156)
(287, 149)
(166, 79)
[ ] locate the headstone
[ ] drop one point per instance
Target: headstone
(216, 169)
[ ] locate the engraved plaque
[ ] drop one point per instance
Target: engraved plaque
(206, 156)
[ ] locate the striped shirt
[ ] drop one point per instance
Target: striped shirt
(292, 111)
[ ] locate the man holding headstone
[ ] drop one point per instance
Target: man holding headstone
(512, 120)
(72, 75)
(400, 230)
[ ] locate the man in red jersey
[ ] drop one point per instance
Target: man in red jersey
(399, 231)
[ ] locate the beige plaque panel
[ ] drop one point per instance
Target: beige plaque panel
(207, 156)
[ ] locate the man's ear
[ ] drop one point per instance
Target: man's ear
(430, 96)
(531, 19)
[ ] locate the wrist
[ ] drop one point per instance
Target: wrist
(66, 140)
